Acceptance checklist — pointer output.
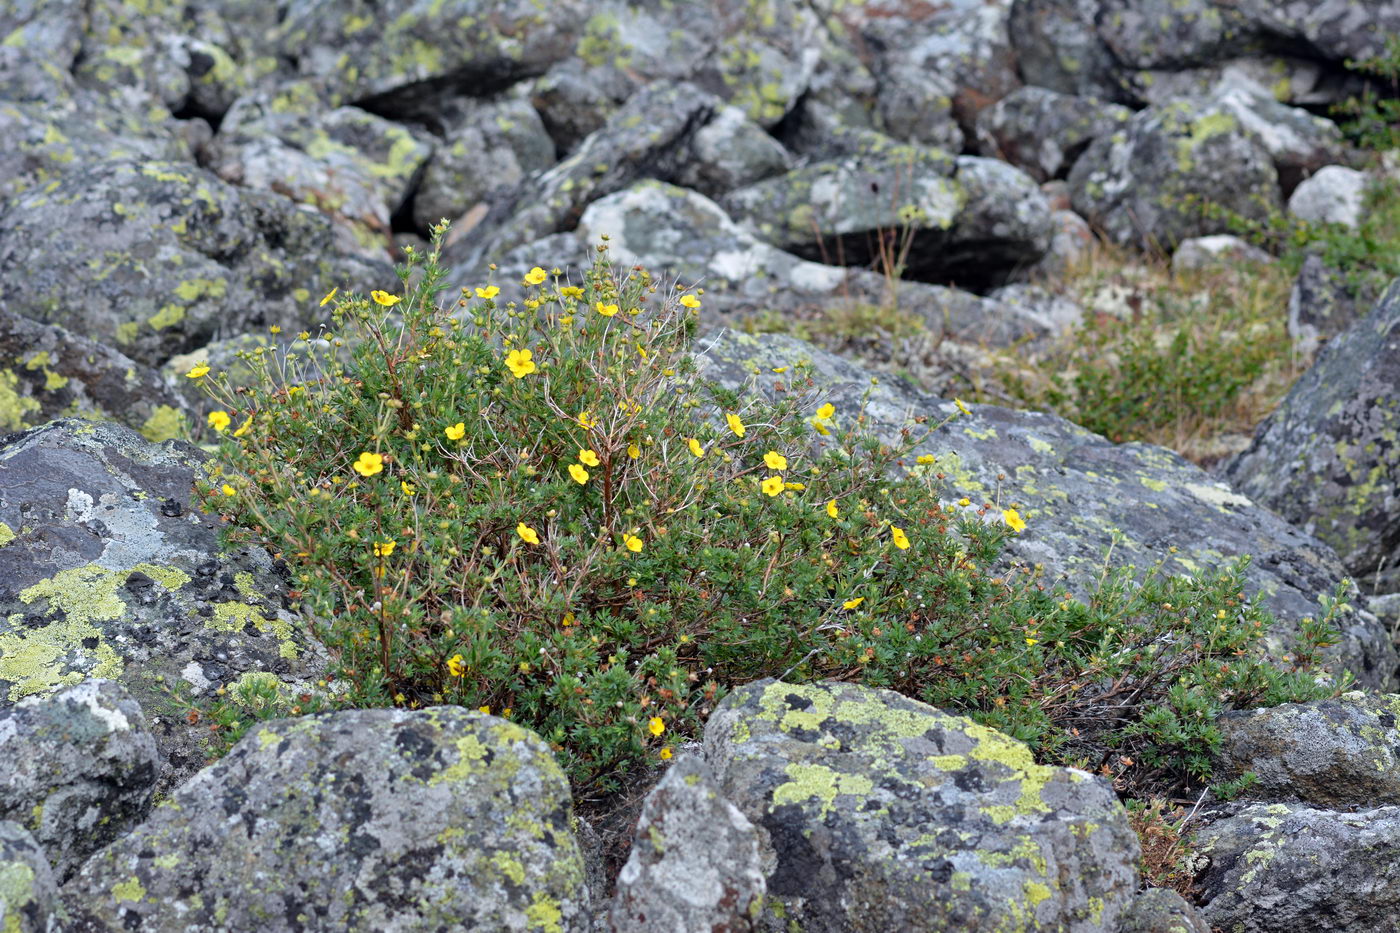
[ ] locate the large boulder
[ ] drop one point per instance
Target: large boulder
(29, 901)
(1335, 194)
(82, 769)
(1084, 497)
(364, 820)
(1043, 132)
(1324, 302)
(1328, 459)
(111, 573)
(878, 812)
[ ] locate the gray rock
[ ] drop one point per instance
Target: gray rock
(360, 820)
(1283, 868)
(1171, 34)
(111, 574)
(881, 813)
(1071, 240)
(1202, 252)
(82, 769)
(1161, 910)
(1148, 183)
(1333, 754)
(1334, 194)
(694, 864)
(1004, 227)
(1041, 312)
(1058, 46)
(1298, 142)
(916, 105)
(1043, 132)
(29, 900)
(1335, 30)
(1083, 497)
(1327, 459)
(157, 258)
(1321, 305)
(731, 151)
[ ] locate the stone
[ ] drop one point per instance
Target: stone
(1171, 34)
(362, 820)
(1162, 910)
(82, 769)
(878, 812)
(1043, 132)
(1298, 142)
(1332, 754)
(1058, 46)
(1334, 194)
(1203, 252)
(1327, 458)
(694, 864)
(29, 901)
(731, 151)
(113, 572)
(1288, 868)
(1321, 305)
(916, 105)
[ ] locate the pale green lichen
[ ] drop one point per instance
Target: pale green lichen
(818, 782)
(130, 890)
(165, 423)
(7, 534)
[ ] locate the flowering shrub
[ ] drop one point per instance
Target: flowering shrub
(538, 510)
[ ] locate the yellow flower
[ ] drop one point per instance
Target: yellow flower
(634, 451)
(521, 363)
(606, 310)
(456, 665)
(488, 292)
(588, 457)
(634, 543)
(690, 301)
(274, 329)
(385, 299)
(384, 548)
(535, 276)
(484, 710)
(579, 474)
(455, 432)
(775, 460)
(587, 421)
(961, 407)
(656, 725)
(571, 291)
(201, 369)
(832, 510)
(666, 753)
(407, 487)
(219, 421)
(964, 501)
(901, 540)
(567, 620)
(1013, 520)
(926, 458)
(820, 427)
(735, 425)
(695, 447)
(527, 534)
(330, 296)
(566, 320)
(1031, 641)
(773, 485)
(795, 487)
(826, 411)
(368, 464)
(853, 603)
(228, 490)
(245, 427)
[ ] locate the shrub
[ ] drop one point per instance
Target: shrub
(538, 510)
(1373, 120)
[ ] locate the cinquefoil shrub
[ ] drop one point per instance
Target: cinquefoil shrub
(538, 510)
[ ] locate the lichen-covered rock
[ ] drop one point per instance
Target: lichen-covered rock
(731, 151)
(47, 372)
(1005, 225)
(1335, 754)
(1083, 497)
(880, 813)
(29, 901)
(694, 864)
(110, 573)
(1335, 194)
(1043, 132)
(1298, 142)
(1328, 459)
(81, 770)
(1285, 868)
(157, 258)
(1171, 34)
(364, 820)
(1203, 252)
(1058, 46)
(1147, 183)
(1321, 306)
(1161, 910)
(916, 105)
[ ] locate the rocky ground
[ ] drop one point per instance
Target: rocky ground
(183, 179)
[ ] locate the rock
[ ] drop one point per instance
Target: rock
(111, 574)
(1327, 459)
(1005, 226)
(695, 863)
(29, 900)
(731, 151)
(1058, 46)
(1171, 34)
(1298, 142)
(1147, 184)
(489, 148)
(916, 105)
(1321, 305)
(1332, 29)
(1285, 868)
(157, 258)
(881, 813)
(1334, 194)
(1083, 497)
(1332, 754)
(47, 372)
(1041, 312)
(359, 820)
(1071, 240)
(1043, 132)
(82, 768)
(1161, 910)
(1202, 252)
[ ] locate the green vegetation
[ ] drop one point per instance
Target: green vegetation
(538, 510)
